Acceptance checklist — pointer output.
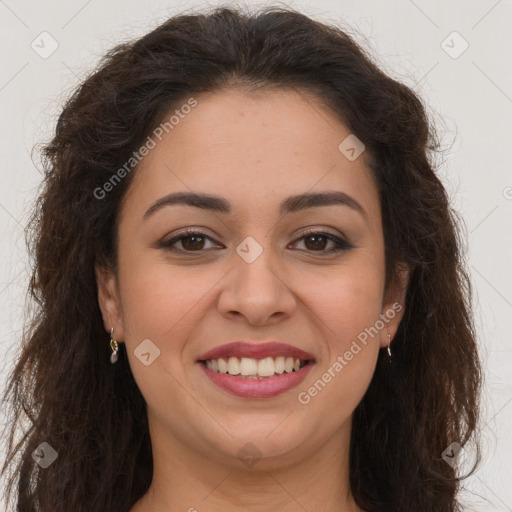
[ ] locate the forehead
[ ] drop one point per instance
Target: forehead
(255, 149)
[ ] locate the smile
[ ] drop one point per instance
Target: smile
(256, 370)
(253, 385)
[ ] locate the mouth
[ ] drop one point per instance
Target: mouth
(261, 370)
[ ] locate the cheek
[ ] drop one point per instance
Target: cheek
(159, 301)
(164, 303)
(348, 306)
(348, 301)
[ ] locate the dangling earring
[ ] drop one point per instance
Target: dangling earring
(114, 346)
(389, 346)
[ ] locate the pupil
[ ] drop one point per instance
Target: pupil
(193, 245)
(316, 237)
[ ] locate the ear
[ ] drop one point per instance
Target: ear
(109, 301)
(393, 307)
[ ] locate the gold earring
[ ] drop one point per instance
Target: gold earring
(389, 345)
(114, 346)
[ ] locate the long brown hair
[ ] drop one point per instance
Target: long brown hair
(92, 413)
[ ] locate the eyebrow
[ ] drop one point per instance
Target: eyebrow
(289, 205)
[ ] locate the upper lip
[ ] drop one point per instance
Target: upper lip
(258, 350)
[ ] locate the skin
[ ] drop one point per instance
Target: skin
(254, 150)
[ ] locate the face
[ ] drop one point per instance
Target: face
(262, 266)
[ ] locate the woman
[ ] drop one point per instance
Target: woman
(250, 285)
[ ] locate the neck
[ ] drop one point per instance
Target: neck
(186, 480)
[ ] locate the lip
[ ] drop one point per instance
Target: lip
(256, 388)
(256, 351)
(264, 388)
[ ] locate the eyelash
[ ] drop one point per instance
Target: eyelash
(342, 245)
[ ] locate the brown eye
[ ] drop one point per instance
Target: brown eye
(316, 241)
(191, 241)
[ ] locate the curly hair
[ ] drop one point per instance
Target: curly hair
(92, 413)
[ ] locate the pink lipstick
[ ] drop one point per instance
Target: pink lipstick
(256, 370)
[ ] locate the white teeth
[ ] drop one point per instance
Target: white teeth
(249, 367)
(223, 365)
(233, 366)
(266, 367)
(279, 364)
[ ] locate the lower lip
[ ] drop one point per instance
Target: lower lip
(263, 388)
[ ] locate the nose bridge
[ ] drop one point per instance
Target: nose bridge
(254, 263)
(256, 290)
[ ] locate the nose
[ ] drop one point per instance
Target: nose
(257, 290)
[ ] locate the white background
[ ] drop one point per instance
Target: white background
(470, 96)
